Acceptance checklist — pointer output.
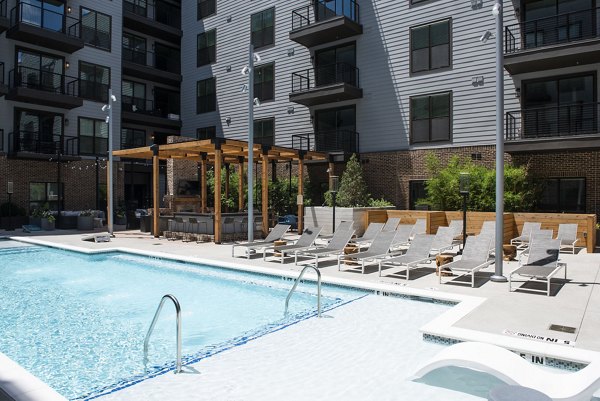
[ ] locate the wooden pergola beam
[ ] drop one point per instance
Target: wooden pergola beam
(155, 180)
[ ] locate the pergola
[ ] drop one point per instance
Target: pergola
(219, 151)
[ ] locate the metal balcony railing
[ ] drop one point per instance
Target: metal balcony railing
(164, 62)
(42, 143)
(146, 106)
(3, 8)
(555, 121)
(1, 73)
(93, 90)
(47, 81)
(340, 140)
(158, 11)
(1, 140)
(45, 19)
(325, 75)
(322, 10)
(561, 28)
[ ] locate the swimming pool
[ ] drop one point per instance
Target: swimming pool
(78, 321)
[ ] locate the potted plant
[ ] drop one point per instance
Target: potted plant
(120, 215)
(47, 220)
(35, 219)
(85, 220)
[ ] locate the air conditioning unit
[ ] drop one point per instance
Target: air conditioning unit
(173, 116)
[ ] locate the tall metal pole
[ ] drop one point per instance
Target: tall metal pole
(497, 11)
(109, 184)
(250, 142)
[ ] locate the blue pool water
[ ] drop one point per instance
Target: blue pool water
(78, 322)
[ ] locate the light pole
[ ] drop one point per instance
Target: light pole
(248, 70)
(464, 181)
(9, 191)
(109, 184)
(497, 12)
(335, 181)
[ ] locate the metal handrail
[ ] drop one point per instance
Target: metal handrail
(287, 300)
(38, 16)
(324, 75)
(169, 15)
(322, 10)
(337, 140)
(47, 81)
(156, 314)
(163, 62)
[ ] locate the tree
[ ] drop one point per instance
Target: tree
(353, 190)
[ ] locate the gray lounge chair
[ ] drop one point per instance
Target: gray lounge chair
(457, 229)
(541, 263)
(420, 227)
(402, 237)
(335, 247)
(522, 240)
(417, 253)
(379, 249)
(567, 234)
(475, 257)
(391, 224)
(306, 240)
(443, 240)
(372, 230)
(276, 233)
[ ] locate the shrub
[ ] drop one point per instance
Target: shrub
(7, 209)
(353, 190)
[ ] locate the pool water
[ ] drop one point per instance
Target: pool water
(78, 322)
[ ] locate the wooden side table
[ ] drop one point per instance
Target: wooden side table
(279, 242)
(348, 250)
(509, 252)
(441, 260)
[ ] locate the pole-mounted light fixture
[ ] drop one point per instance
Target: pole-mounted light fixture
(335, 185)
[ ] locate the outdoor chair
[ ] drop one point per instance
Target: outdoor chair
(306, 240)
(402, 237)
(539, 234)
(372, 230)
(443, 240)
(522, 240)
(258, 223)
(488, 230)
(229, 226)
(276, 233)
(336, 246)
(541, 263)
(475, 256)
(417, 253)
(420, 227)
(242, 224)
(456, 226)
(175, 229)
(567, 234)
(344, 225)
(196, 228)
(391, 224)
(380, 247)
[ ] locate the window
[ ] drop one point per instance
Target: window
(93, 136)
(167, 13)
(139, 7)
(206, 96)
(132, 138)
(166, 103)
(42, 193)
(206, 8)
(430, 46)
(264, 84)
(264, 131)
(133, 97)
(95, 29)
(37, 131)
(563, 195)
(416, 190)
(167, 58)
(206, 133)
(207, 48)
(430, 118)
(94, 81)
(263, 28)
(335, 65)
(134, 49)
(47, 14)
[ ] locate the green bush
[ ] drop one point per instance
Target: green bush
(443, 188)
(14, 210)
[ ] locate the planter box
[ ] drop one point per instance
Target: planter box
(85, 223)
(35, 221)
(47, 225)
(321, 216)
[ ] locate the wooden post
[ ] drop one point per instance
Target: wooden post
(241, 183)
(331, 170)
(218, 161)
(301, 193)
(203, 192)
(155, 183)
(265, 193)
(226, 185)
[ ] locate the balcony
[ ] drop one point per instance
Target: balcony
(151, 66)
(326, 84)
(39, 145)
(3, 86)
(158, 19)
(572, 126)
(45, 28)
(325, 21)
(332, 141)
(1, 141)
(4, 21)
(144, 112)
(44, 88)
(559, 41)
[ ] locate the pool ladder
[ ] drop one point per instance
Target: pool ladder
(287, 300)
(156, 314)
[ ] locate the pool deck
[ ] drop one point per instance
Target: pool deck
(484, 314)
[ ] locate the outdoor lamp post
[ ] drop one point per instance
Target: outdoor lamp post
(464, 181)
(335, 185)
(9, 191)
(109, 185)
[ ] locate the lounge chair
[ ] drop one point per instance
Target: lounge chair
(514, 370)
(372, 230)
(391, 224)
(402, 237)
(417, 253)
(343, 226)
(488, 230)
(475, 256)
(276, 233)
(539, 234)
(522, 240)
(306, 240)
(442, 241)
(567, 234)
(420, 227)
(541, 264)
(457, 229)
(335, 247)
(379, 249)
